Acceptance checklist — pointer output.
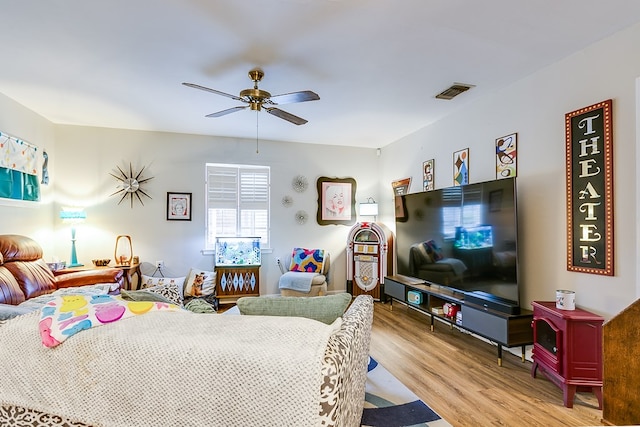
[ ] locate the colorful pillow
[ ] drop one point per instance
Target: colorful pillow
(307, 260)
(199, 283)
(170, 291)
(149, 281)
(69, 314)
(434, 251)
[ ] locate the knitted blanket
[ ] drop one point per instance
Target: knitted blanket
(170, 368)
(297, 281)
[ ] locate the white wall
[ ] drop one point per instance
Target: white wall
(85, 156)
(535, 108)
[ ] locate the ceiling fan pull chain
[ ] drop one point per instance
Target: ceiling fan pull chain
(257, 133)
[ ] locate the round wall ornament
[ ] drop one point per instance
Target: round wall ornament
(129, 185)
(300, 183)
(287, 201)
(301, 217)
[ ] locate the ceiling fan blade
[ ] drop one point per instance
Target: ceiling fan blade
(289, 98)
(217, 92)
(286, 116)
(227, 111)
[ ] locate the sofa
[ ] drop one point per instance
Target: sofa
(24, 274)
(177, 367)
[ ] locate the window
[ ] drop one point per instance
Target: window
(460, 209)
(237, 202)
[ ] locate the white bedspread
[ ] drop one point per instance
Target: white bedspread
(170, 369)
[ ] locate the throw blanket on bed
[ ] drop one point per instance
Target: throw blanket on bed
(170, 369)
(296, 281)
(67, 315)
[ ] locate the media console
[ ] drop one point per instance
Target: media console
(490, 318)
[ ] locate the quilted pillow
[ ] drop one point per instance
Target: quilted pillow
(149, 281)
(199, 283)
(170, 291)
(434, 251)
(307, 260)
(324, 309)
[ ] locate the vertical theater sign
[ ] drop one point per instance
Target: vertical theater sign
(589, 149)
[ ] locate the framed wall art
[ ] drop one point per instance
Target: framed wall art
(428, 175)
(336, 201)
(461, 167)
(506, 156)
(401, 186)
(179, 206)
(589, 150)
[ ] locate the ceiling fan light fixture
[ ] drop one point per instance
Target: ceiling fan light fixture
(256, 98)
(453, 91)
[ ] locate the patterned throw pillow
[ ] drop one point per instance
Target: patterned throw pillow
(307, 260)
(199, 283)
(433, 250)
(149, 281)
(170, 291)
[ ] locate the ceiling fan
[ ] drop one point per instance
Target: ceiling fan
(257, 99)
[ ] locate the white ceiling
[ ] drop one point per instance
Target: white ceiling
(376, 64)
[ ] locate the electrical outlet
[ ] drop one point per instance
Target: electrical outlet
(278, 260)
(159, 264)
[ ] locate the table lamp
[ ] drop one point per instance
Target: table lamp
(73, 216)
(369, 208)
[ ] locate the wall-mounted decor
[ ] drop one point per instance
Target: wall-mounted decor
(45, 168)
(589, 150)
(461, 167)
(506, 156)
(428, 175)
(299, 183)
(302, 217)
(287, 201)
(336, 201)
(18, 169)
(130, 185)
(179, 206)
(401, 186)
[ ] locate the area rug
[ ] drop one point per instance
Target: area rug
(389, 403)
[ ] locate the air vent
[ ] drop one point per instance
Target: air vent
(453, 91)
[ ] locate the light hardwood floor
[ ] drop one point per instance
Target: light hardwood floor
(457, 375)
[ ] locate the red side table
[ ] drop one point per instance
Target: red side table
(567, 349)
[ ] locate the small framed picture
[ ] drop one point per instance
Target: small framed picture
(178, 206)
(428, 175)
(401, 186)
(461, 167)
(506, 156)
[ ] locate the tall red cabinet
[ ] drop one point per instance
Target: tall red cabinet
(567, 349)
(369, 259)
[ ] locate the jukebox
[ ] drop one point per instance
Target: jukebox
(369, 259)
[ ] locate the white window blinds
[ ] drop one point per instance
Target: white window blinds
(237, 202)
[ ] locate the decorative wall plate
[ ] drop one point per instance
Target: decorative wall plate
(301, 217)
(300, 183)
(287, 201)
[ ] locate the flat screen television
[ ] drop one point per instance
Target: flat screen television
(462, 237)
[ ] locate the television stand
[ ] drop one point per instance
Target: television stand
(503, 328)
